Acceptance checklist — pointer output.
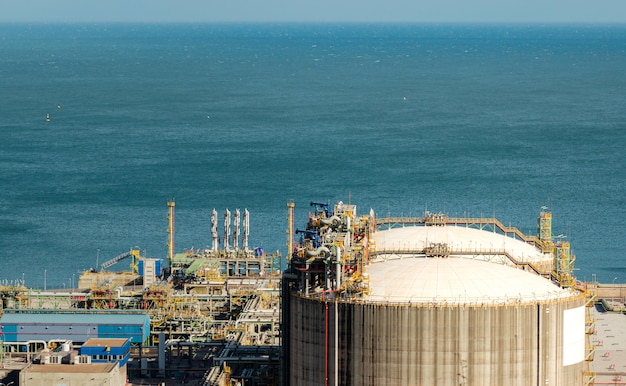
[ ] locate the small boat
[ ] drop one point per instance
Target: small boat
(47, 117)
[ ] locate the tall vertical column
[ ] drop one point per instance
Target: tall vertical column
(214, 234)
(545, 226)
(236, 224)
(290, 232)
(544, 229)
(161, 354)
(246, 230)
(227, 230)
(170, 230)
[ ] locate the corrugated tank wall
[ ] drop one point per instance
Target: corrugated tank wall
(401, 344)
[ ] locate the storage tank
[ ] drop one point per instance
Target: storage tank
(441, 322)
(431, 320)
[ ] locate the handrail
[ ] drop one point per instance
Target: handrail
(114, 260)
(463, 221)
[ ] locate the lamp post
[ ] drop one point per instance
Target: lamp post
(44, 279)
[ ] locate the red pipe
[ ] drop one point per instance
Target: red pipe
(326, 350)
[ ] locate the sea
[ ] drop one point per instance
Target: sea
(467, 120)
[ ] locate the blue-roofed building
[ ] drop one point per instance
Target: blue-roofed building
(77, 327)
(107, 350)
(98, 362)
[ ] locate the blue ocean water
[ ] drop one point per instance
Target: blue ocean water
(477, 120)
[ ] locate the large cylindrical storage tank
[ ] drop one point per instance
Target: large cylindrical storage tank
(439, 321)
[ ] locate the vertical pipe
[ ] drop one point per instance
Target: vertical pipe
(227, 230)
(161, 353)
(338, 269)
(236, 228)
(336, 342)
(170, 230)
(327, 273)
(290, 215)
(214, 235)
(326, 347)
(307, 278)
(246, 229)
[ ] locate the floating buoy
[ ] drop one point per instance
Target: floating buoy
(47, 117)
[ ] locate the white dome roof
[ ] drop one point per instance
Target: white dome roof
(459, 238)
(457, 281)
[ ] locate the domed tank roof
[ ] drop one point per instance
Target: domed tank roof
(458, 238)
(457, 281)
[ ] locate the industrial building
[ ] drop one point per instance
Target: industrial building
(107, 350)
(105, 374)
(430, 300)
(76, 326)
(97, 362)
